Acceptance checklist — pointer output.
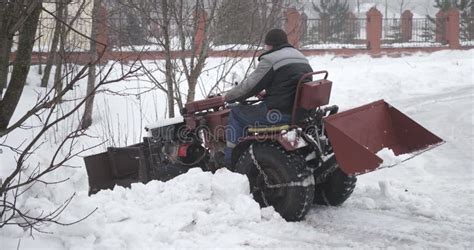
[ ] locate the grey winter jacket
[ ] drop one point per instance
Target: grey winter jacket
(277, 73)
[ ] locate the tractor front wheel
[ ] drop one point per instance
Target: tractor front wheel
(336, 189)
(278, 178)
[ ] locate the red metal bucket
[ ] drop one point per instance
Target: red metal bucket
(357, 135)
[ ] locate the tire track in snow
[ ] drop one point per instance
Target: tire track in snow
(460, 108)
(384, 228)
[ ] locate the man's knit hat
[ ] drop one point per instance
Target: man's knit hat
(276, 37)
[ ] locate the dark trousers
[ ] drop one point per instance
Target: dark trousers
(242, 117)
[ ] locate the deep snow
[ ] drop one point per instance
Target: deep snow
(424, 202)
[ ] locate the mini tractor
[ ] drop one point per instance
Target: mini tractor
(314, 159)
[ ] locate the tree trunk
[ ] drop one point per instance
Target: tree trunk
(6, 41)
(198, 67)
(21, 66)
(168, 63)
(191, 90)
(58, 84)
(195, 73)
(358, 8)
(91, 78)
(4, 56)
(402, 3)
(52, 55)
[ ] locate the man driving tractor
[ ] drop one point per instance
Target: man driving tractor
(289, 170)
(277, 72)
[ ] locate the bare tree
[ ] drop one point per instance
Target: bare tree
(15, 184)
(91, 77)
(185, 31)
(403, 5)
(13, 15)
(21, 65)
(174, 31)
(8, 10)
(42, 119)
(52, 53)
(358, 7)
(166, 42)
(60, 58)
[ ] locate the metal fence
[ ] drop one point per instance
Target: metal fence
(396, 32)
(136, 34)
(131, 33)
(122, 33)
(334, 33)
(416, 32)
(467, 31)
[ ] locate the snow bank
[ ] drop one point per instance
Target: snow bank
(176, 213)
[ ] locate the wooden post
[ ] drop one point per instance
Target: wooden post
(292, 27)
(452, 28)
(374, 30)
(200, 34)
(407, 26)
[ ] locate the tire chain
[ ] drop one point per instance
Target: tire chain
(265, 177)
(324, 175)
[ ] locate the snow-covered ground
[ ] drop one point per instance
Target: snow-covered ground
(425, 202)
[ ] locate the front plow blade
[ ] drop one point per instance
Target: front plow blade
(357, 135)
(117, 166)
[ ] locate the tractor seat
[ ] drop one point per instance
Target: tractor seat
(266, 129)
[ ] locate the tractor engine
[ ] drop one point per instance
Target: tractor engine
(173, 149)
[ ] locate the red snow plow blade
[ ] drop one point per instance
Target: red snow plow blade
(357, 135)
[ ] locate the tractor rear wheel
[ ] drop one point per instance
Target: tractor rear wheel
(336, 189)
(278, 178)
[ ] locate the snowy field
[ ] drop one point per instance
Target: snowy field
(426, 202)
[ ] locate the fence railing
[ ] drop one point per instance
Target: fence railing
(332, 33)
(123, 32)
(467, 31)
(351, 33)
(416, 32)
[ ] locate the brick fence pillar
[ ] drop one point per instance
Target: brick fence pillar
(452, 28)
(102, 30)
(200, 34)
(440, 32)
(407, 25)
(374, 30)
(292, 26)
